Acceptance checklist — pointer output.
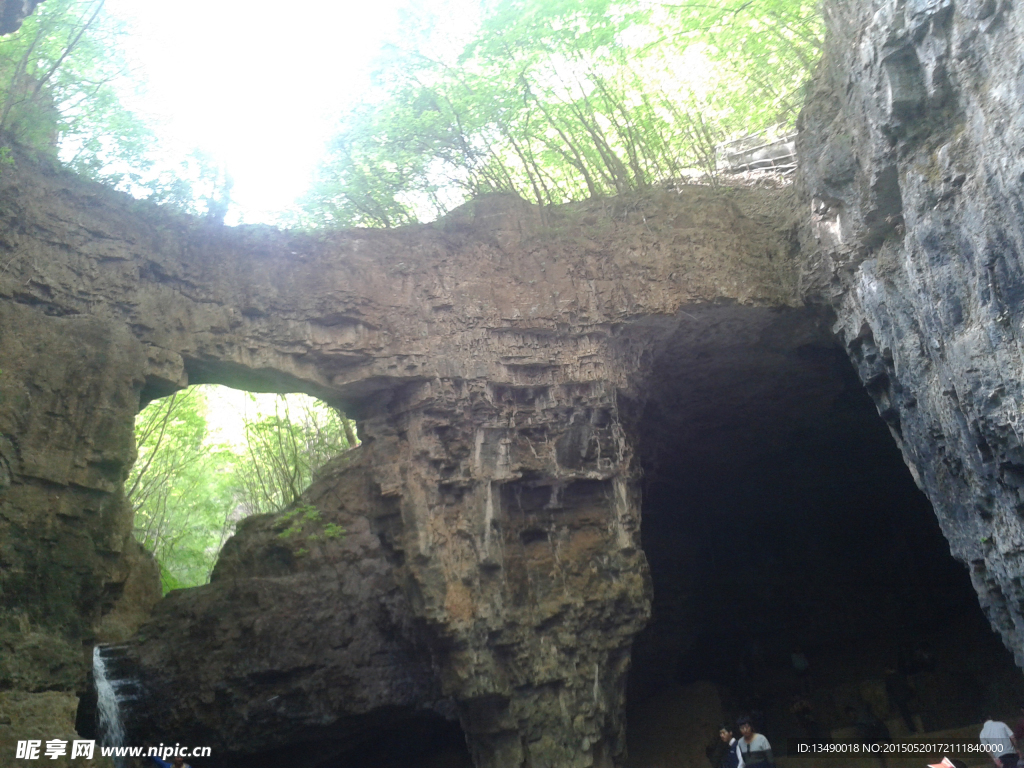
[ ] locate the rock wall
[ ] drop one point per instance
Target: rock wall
(13, 12)
(70, 572)
(498, 363)
(912, 153)
(303, 638)
(495, 361)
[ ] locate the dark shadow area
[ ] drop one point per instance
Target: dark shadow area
(427, 743)
(424, 741)
(798, 572)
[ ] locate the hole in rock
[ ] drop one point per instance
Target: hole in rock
(799, 574)
(210, 456)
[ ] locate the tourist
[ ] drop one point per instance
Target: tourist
(1002, 746)
(723, 754)
(754, 749)
(801, 667)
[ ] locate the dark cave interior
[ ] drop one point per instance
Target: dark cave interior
(778, 518)
(424, 740)
(804, 535)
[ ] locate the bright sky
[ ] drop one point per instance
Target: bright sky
(227, 411)
(257, 84)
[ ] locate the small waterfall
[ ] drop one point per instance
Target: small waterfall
(110, 726)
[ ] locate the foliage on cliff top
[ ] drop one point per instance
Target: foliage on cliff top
(57, 91)
(61, 76)
(560, 100)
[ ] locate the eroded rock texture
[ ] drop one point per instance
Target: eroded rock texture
(496, 362)
(304, 637)
(70, 572)
(912, 149)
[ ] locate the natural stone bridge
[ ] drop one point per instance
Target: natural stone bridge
(512, 371)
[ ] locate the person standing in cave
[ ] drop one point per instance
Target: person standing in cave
(1002, 746)
(753, 748)
(723, 754)
(802, 669)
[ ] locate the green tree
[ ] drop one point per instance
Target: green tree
(285, 449)
(560, 100)
(181, 489)
(188, 493)
(58, 94)
(197, 185)
(60, 76)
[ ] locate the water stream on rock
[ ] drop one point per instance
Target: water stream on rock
(110, 725)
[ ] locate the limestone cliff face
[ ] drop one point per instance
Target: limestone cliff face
(493, 360)
(70, 572)
(304, 638)
(499, 363)
(912, 153)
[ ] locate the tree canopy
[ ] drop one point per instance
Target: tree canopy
(560, 100)
(554, 100)
(61, 79)
(58, 93)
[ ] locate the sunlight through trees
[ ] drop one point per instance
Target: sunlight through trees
(557, 100)
(191, 484)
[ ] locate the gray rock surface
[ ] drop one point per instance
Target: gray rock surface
(13, 12)
(303, 638)
(912, 153)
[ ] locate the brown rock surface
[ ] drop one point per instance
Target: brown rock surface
(499, 362)
(492, 359)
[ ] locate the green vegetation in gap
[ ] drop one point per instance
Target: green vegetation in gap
(285, 449)
(182, 490)
(189, 493)
(560, 100)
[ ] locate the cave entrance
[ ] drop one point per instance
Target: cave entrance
(781, 525)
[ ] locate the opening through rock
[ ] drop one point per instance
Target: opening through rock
(210, 456)
(799, 574)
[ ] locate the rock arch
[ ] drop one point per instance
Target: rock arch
(492, 360)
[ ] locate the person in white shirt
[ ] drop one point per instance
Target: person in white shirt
(753, 748)
(997, 736)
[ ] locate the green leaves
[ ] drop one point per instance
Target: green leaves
(56, 91)
(283, 452)
(188, 493)
(181, 489)
(560, 100)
